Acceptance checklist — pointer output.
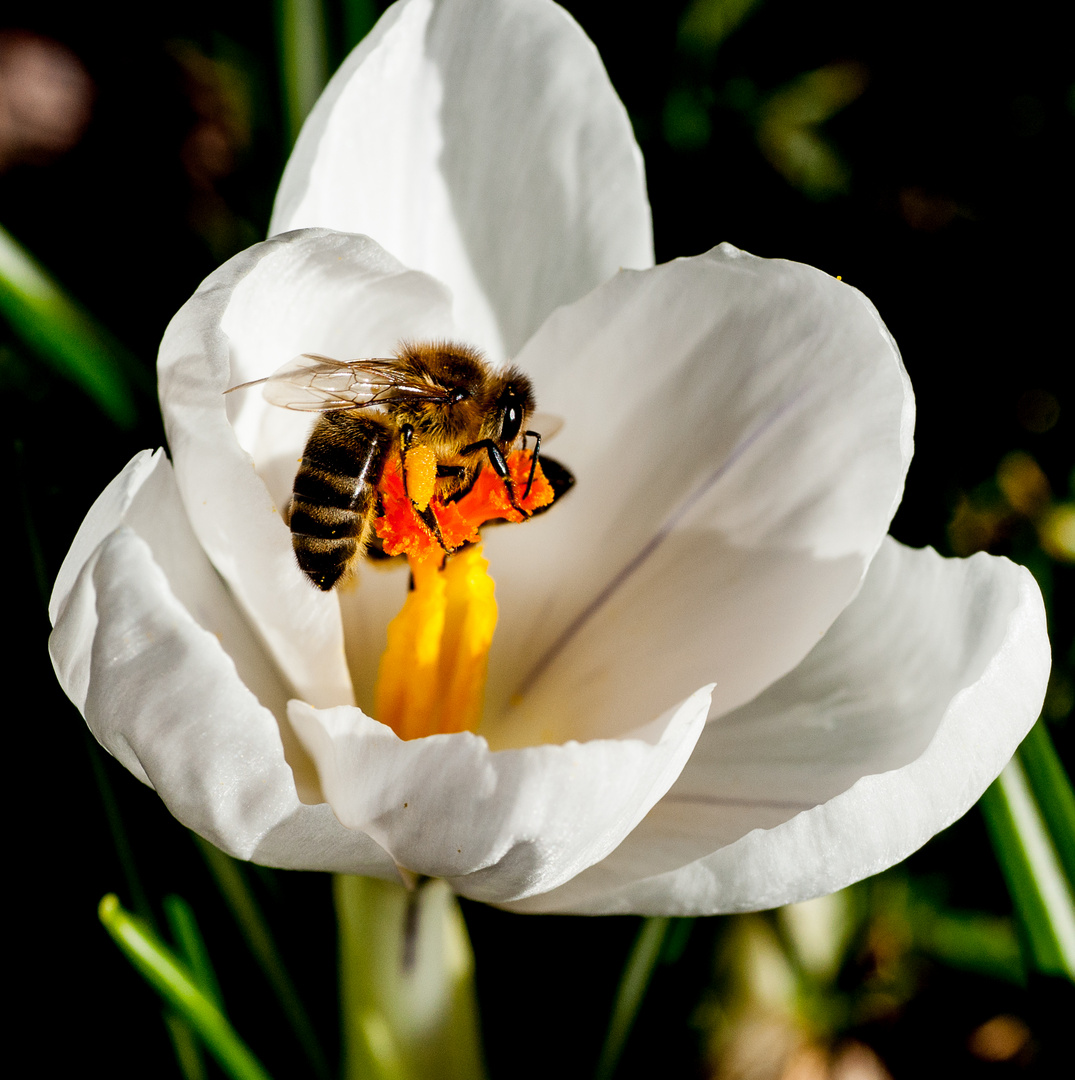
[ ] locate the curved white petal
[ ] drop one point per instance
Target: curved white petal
(740, 429)
(168, 686)
(501, 825)
(484, 144)
(310, 291)
(888, 732)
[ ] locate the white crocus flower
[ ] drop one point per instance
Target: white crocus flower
(716, 685)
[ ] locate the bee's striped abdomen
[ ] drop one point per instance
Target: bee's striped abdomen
(335, 494)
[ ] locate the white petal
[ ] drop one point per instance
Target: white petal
(740, 430)
(312, 291)
(497, 825)
(162, 695)
(888, 732)
(145, 500)
(484, 144)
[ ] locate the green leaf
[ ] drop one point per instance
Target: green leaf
(1053, 793)
(64, 335)
(1040, 891)
(789, 128)
(167, 975)
(192, 948)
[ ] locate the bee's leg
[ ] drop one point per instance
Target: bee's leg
(533, 461)
(456, 471)
(406, 436)
(429, 519)
(500, 467)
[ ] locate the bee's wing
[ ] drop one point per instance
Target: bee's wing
(545, 424)
(312, 383)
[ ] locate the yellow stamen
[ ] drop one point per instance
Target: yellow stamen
(432, 674)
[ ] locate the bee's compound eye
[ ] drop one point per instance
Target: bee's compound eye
(458, 396)
(511, 420)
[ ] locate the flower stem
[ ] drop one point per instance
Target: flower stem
(406, 983)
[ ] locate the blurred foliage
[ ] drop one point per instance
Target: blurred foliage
(923, 151)
(64, 335)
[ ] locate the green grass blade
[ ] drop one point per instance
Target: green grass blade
(303, 55)
(188, 1051)
(117, 830)
(42, 577)
(1040, 891)
(255, 930)
(62, 333)
(191, 946)
(637, 972)
(160, 968)
(1053, 793)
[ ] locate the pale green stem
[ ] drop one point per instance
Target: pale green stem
(409, 1010)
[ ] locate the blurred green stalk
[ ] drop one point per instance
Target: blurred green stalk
(303, 57)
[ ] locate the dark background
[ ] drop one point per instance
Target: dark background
(955, 218)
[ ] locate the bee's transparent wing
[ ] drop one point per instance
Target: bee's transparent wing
(311, 383)
(545, 424)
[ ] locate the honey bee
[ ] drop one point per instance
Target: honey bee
(441, 403)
